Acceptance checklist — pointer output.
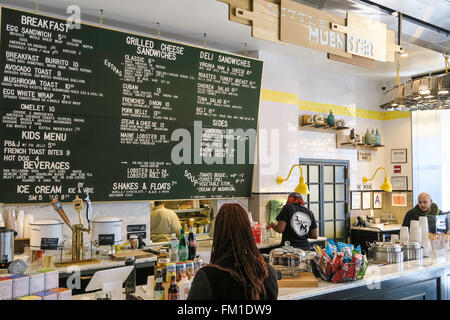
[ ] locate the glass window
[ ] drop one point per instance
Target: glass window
(340, 192)
(313, 174)
(328, 174)
(340, 210)
(328, 211)
(329, 229)
(339, 174)
(313, 193)
(314, 207)
(328, 192)
(340, 229)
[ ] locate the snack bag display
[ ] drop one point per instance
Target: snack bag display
(341, 262)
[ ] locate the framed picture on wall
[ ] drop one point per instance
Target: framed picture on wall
(377, 200)
(399, 155)
(366, 201)
(399, 199)
(399, 183)
(356, 200)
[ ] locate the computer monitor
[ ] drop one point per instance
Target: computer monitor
(109, 280)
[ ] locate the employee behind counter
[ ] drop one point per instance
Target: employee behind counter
(163, 222)
(296, 222)
(424, 207)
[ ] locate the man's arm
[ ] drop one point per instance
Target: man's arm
(278, 227)
(314, 233)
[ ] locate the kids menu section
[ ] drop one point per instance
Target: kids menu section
(128, 116)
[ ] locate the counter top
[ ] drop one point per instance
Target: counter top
(375, 273)
(104, 263)
(383, 228)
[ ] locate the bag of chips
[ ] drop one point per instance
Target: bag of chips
(347, 249)
(338, 261)
(331, 248)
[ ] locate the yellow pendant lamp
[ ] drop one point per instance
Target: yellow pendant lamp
(386, 186)
(302, 187)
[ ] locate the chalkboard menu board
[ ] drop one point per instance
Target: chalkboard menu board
(129, 116)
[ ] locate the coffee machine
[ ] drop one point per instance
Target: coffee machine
(6, 247)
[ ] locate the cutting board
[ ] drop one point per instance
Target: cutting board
(122, 255)
(304, 279)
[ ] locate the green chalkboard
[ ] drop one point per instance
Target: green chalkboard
(129, 116)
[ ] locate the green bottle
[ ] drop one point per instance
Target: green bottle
(367, 137)
(183, 250)
(331, 119)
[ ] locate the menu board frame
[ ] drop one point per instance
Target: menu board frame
(131, 32)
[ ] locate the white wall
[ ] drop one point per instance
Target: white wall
(290, 76)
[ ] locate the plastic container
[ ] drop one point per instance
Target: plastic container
(287, 260)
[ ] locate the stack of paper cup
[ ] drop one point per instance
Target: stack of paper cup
(423, 222)
(415, 233)
(27, 227)
(404, 234)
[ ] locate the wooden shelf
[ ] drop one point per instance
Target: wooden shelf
(371, 147)
(321, 127)
(342, 143)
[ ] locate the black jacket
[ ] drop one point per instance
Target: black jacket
(211, 283)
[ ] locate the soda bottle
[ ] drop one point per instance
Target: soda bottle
(159, 289)
(174, 292)
(183, 251)
(192, 244)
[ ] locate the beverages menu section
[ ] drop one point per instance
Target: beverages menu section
(128, 116)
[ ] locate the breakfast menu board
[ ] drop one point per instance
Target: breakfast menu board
(128, 116)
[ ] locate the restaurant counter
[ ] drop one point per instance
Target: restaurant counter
(428, 278)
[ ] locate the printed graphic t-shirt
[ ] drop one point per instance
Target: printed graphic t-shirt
(299, 222)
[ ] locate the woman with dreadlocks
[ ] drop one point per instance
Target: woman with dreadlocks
(296, 222)
(237, 270)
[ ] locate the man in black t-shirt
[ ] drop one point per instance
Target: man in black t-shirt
(296, 222)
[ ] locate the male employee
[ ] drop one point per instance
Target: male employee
(163, 222)
(424, 207)
(296, 222)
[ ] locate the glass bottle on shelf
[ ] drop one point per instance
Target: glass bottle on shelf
(331, 119)
(367, 137)
(377, 138)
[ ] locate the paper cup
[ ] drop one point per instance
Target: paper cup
(414, 223)
(404, 234)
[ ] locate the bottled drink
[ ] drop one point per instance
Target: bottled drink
(159, 289)
(183, 251)
(163, 260)
(377, 138)
(174, 292)
(184, 286)
(173, 248)
(192, 244)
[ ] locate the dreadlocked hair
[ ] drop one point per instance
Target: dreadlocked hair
(233, 241)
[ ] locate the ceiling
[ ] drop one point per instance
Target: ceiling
(188, 20)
